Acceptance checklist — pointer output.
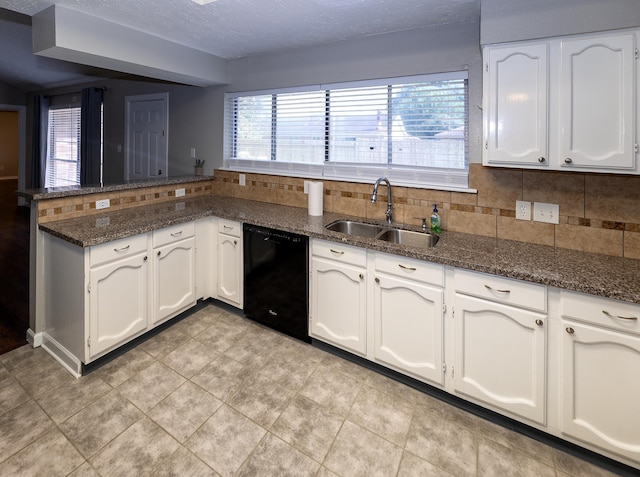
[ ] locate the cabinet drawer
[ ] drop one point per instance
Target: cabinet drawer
(339, 252)
(173, 233)
(410, 268)
(230, 227)
(615, 314)
(502, 290)
(117, 249)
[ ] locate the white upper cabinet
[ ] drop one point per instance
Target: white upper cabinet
(515, 109)
(563, 104)
(596, 102)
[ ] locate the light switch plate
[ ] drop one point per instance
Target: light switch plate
(549, 213)
(523, 210)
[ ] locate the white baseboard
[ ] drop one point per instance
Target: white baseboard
(62, 355)
(34, 339)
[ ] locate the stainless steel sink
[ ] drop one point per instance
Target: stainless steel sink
(351, 227)
(388, 234)
(409, 237)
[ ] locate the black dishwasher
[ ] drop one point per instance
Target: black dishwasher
(276, 286)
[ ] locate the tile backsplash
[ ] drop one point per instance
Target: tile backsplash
(598, 212)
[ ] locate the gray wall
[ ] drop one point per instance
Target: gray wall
(512, 20)
(11, 95)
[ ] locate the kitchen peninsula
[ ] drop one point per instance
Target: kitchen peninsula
(547, 321)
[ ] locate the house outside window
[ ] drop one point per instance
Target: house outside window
(413, 130)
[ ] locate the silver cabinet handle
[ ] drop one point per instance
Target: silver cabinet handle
(339, 252)
(541, 160)
(227, 227)
(539, 322)
(568, 160)
(635, 318)
(496, 290)
(123, 249)
(570, 330)
(177, 234)
(412, 269)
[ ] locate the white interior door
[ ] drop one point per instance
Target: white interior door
(147, 132)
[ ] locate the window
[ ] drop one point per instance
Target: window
(412, 130)
(63, 147)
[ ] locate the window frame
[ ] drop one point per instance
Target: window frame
(414, 176)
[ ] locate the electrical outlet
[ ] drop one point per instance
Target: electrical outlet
(242, 179)
(549, 213)
(180, 192)
(523, 210)
(103, 204)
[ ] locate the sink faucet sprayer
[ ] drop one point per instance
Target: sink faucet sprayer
(374, 197)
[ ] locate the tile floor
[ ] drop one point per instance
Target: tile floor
(216, 394)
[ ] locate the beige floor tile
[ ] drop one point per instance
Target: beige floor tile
(324, 472)
(67, 399)
(189, 358)
(495, 459)
(51, 455)
(222, 377)
(382, 414)
(225, 440)
(577, 467)
(431, 437)
(253, 350)
(135, 451)
(85, 470)
(182, 463)
(221, 335)
(25, 357)
(96, 425)
(307, 426)
(413, 466)
(20, 427)
(184, 410)
(196, 323)
(120, 369)
(151, 385)
(261, 399)
(275, 458)
(12, 394)
(331, 389)
(44, 377)
(358, 452)
(289, 370)
(348, 368)
(164, 342)
(395, 388)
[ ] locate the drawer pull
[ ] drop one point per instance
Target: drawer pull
(539, 322)
(336, 251)
(496, 290)
(570, 330)
(123, 249)
(361, 276)
(227, 227)
(377, 280)
(618, 316)
(177, 234)
(411, 269)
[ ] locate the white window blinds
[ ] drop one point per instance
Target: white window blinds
(413, 129)
(63, 149)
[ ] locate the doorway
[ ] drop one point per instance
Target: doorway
(147, 128)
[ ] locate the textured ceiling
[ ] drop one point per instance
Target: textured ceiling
(237, 28)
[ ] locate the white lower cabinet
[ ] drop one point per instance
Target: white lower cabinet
(174, 270)
(118, 302)
(600, 380)
(337, 302)
(500, 347)
(230, 266)
(408, 316)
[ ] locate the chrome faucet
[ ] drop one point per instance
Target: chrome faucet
(374, 197)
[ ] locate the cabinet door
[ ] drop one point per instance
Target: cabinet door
(515, 116)
(338, 304)
(174, 279)
(118, 303)
(597, 102)
(408, 327)
(230, 269)
(601, 388)
(500, 356)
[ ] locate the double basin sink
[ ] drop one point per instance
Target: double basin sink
(389, 234)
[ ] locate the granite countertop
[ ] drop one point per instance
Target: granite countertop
(71, 191)
(600, 275)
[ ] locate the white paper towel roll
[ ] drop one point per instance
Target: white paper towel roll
(316, 193)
